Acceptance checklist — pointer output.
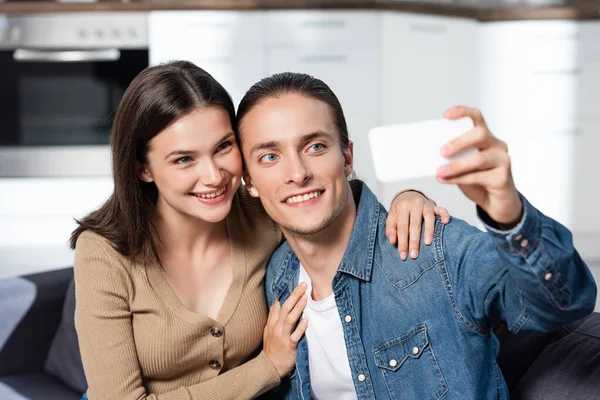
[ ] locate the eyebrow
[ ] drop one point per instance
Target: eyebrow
(303, 139)
(192, 152)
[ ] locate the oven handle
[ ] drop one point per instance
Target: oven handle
(66, 55)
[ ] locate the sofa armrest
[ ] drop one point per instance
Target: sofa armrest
(31, 309)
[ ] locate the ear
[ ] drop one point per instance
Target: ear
(143, 172)
(250, 185)
(348, 155)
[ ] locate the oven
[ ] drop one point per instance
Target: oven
(61, 79)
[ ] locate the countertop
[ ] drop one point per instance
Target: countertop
(493, 11)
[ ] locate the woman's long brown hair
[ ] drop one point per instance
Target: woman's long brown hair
(157, 97)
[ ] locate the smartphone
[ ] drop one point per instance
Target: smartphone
(412, 150)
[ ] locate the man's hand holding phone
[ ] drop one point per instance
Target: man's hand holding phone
(485, 176)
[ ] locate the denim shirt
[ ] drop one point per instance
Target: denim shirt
(421, 329)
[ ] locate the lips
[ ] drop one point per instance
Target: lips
(301, 198)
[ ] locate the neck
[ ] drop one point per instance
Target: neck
(321, 253)
(183, 236)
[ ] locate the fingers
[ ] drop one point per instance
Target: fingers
(391, 227)
(297, 296)
(403, 221)
(442, 213)
(300, 330)
(463, 111)
(429, 217)
(478, 161)
(479, 137)
(415, 232)
(292, 318)
(497, 178)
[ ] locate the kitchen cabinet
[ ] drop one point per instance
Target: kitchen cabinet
(230, 45)
(342, 49)
(427, 65)
(315, 28)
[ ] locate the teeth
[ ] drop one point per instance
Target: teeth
(305, 197)
(211, 195)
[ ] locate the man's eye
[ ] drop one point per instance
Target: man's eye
(224, 145)
(316, 147)
(268, 158)
(183, 160)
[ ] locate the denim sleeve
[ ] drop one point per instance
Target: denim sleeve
(530, 277)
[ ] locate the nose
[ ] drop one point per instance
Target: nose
(298, 173)
(210, 173)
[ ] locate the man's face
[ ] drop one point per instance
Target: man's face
(295, 162)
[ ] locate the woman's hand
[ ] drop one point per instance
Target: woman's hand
(281, 335)
(403, 223)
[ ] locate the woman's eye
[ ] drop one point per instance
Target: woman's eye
(224, 145)
(316, 147)
(268, 158)
(183, 160)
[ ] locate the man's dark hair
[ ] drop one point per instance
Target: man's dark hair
(291, 82)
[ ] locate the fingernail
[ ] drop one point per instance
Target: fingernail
(303, 285)
(428, 240)
(403, 255)
(443, 170)
(414, 253)
(446, 149)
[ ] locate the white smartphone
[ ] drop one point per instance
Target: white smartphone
(409, 151)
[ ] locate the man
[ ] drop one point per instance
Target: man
(378, 329)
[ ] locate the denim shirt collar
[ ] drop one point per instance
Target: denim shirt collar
(358, 257)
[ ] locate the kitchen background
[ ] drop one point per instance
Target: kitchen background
(533, 68)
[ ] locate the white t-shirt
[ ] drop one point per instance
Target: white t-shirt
(330, 375)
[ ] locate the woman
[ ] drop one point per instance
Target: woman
(169, 271)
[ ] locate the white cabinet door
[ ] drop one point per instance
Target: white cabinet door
(589, 85)
(529, 75)
(352, 75)
(229, 45)
(428, 64)
(315, 28)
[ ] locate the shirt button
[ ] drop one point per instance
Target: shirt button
(393, 363)
(415, 350)
(348, 318)
(361, 377)
(518, 237)
(214, 364)
(524, 242)
(216, 332)
(548, 276)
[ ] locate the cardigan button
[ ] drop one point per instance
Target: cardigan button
(216, 332)
(214, 364)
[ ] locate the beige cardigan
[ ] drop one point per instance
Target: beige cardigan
(137, 339)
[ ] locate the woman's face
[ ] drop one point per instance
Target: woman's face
(196, 166)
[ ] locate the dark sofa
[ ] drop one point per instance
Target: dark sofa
(39, 356)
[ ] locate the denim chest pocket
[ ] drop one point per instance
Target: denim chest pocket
(409, 367)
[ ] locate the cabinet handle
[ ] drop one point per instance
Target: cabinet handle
(211, 24)
(574, 72)
(324, 23)
(60, 56)
(555, 36)
(324, 58)
(428, 28)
